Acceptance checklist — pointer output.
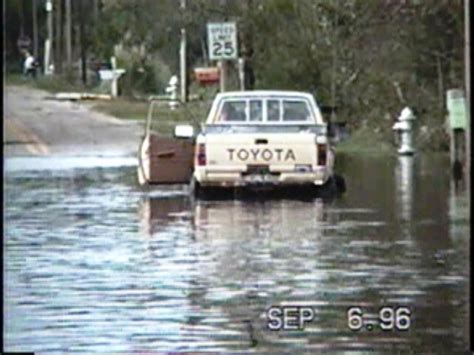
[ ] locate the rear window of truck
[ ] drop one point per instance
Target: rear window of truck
(264, 110)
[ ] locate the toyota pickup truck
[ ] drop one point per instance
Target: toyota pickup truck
(255, 139)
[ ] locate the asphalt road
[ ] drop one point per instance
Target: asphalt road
(35, 125)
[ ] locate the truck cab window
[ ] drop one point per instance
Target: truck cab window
(256, 113)
(295, 111)
(233, 111)
(273, 110)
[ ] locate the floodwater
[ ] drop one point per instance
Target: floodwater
(93, 263)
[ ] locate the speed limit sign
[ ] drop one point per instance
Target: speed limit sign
(222, 40)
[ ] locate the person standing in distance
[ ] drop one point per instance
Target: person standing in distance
(29, 67)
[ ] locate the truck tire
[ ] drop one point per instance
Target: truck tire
(340, 183)
(328, 189)
(334, 186)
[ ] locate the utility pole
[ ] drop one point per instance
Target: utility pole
(48, 53)
(35, 29)
(68, 34)
(182, 54)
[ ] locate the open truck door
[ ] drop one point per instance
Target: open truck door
(163, 159)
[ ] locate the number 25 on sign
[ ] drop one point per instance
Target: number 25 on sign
(222, 40)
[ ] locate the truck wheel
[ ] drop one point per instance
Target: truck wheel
(340, 183)
(333, 187)
(328, 190)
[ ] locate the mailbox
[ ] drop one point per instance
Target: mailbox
(209, 75)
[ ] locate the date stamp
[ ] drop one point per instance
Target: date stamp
(289, 317)
(385, 318)
(397, 318)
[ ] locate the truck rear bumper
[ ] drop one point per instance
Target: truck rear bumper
(237, 179)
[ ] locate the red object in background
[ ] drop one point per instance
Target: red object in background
(210, 75)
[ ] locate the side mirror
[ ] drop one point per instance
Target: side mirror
(338, 131)
(184, 131)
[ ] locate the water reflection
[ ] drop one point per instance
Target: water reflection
(237, 219)
(404, 180)
(243, 263)
(458, 230)
(330, 255)
(157, 213)
(98, 265)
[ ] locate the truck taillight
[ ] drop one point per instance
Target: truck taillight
(322, 153)
(201, 155)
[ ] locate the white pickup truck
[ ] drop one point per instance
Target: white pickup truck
(263, 139)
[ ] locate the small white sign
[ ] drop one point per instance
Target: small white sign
(222, 40)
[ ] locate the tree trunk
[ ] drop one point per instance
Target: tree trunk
(467, 83)
(247, 50)
(35, 29)
(58, 43)
(333, 81)
(76, 46)
(96, 11)
(67, 32)
(440, 84)
(335, 41)
(22, 20)
(204, 51)
(82, 41)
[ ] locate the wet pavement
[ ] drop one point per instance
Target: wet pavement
(37, 125)
(93, 263)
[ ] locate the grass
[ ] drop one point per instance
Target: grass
(367, 141)
(123, 108)
(52, 84)
(14, 79)
(163, 118)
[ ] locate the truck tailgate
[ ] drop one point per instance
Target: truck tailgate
(277, 151)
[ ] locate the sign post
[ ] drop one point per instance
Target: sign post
(241, 63)
(456, 104)
(222, 44)
(48, 69)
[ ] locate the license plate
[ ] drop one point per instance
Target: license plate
(260, 178)
(258, 169)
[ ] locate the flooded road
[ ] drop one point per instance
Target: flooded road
(93, 263)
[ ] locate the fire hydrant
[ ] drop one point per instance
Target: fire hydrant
(405, 129)
(172, 90)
